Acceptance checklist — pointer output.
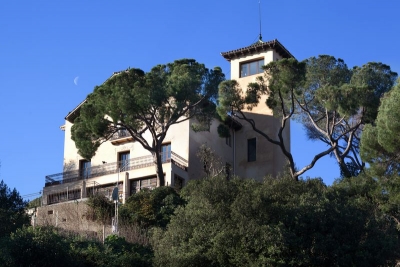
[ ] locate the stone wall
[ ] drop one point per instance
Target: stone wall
(72, 216)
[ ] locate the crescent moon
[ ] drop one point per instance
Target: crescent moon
(76, 80)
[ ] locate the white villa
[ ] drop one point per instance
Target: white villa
(125, 162)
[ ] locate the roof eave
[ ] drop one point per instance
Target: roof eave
(72, 115)
(258, 47)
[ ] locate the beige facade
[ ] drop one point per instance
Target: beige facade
(122, 160)
(269, 158)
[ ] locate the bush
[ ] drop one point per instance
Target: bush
(12, 210)
(45, 246)
(40, 246)
(279, 222)
(151, 207)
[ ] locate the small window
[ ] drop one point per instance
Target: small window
(251, 149)
(85, 168)
(166, 153)
(139, 184)
(49, 212)
(251, 67)
(123, 160)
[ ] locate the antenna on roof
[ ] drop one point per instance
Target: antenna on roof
(259, 14)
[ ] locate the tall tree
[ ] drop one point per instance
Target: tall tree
(147, 104)
(380, 143)
(330, 100)
(337, 102)
(12, 210)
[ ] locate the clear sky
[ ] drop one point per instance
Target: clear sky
(46, 44)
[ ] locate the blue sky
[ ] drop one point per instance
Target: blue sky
(45, 44)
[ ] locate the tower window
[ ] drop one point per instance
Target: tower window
(251, 149)
(251, 67)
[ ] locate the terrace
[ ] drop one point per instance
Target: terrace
(114, 167)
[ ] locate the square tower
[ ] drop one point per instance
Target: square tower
(255, 157)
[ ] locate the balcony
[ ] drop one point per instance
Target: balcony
(110, 168)
(120, 137)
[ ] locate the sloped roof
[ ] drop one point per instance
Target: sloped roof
(259, 46)
(72, 115)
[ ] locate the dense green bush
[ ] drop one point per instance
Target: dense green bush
(151, 207)
(38, 246)
(45, 246)
(279, 222)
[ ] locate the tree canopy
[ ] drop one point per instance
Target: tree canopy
(12, 210)
(339, 101)
(380, 142)
(147, 104)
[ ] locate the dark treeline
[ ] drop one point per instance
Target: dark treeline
(215, 222)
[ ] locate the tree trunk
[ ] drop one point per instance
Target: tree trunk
(344, 170)
(159, 169)
(104, 232)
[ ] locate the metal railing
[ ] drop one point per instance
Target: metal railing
(75, 193)
(122, 133)
(110, 168)
(65, 195)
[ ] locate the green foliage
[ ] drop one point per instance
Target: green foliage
(151, 207)
(12, 210)
(115, 252)
(339, 101)
(128, 254)
(30, 246)
(379, 79)
(380, 144)
(331, 101)
(223, 131)
(284, 77)
(277, 223)
(147, 103)
(37, 202)
(45, 246)
(101, 208)
(230, 98)
(380, 148)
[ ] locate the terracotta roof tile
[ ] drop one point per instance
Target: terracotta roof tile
(258, 46)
